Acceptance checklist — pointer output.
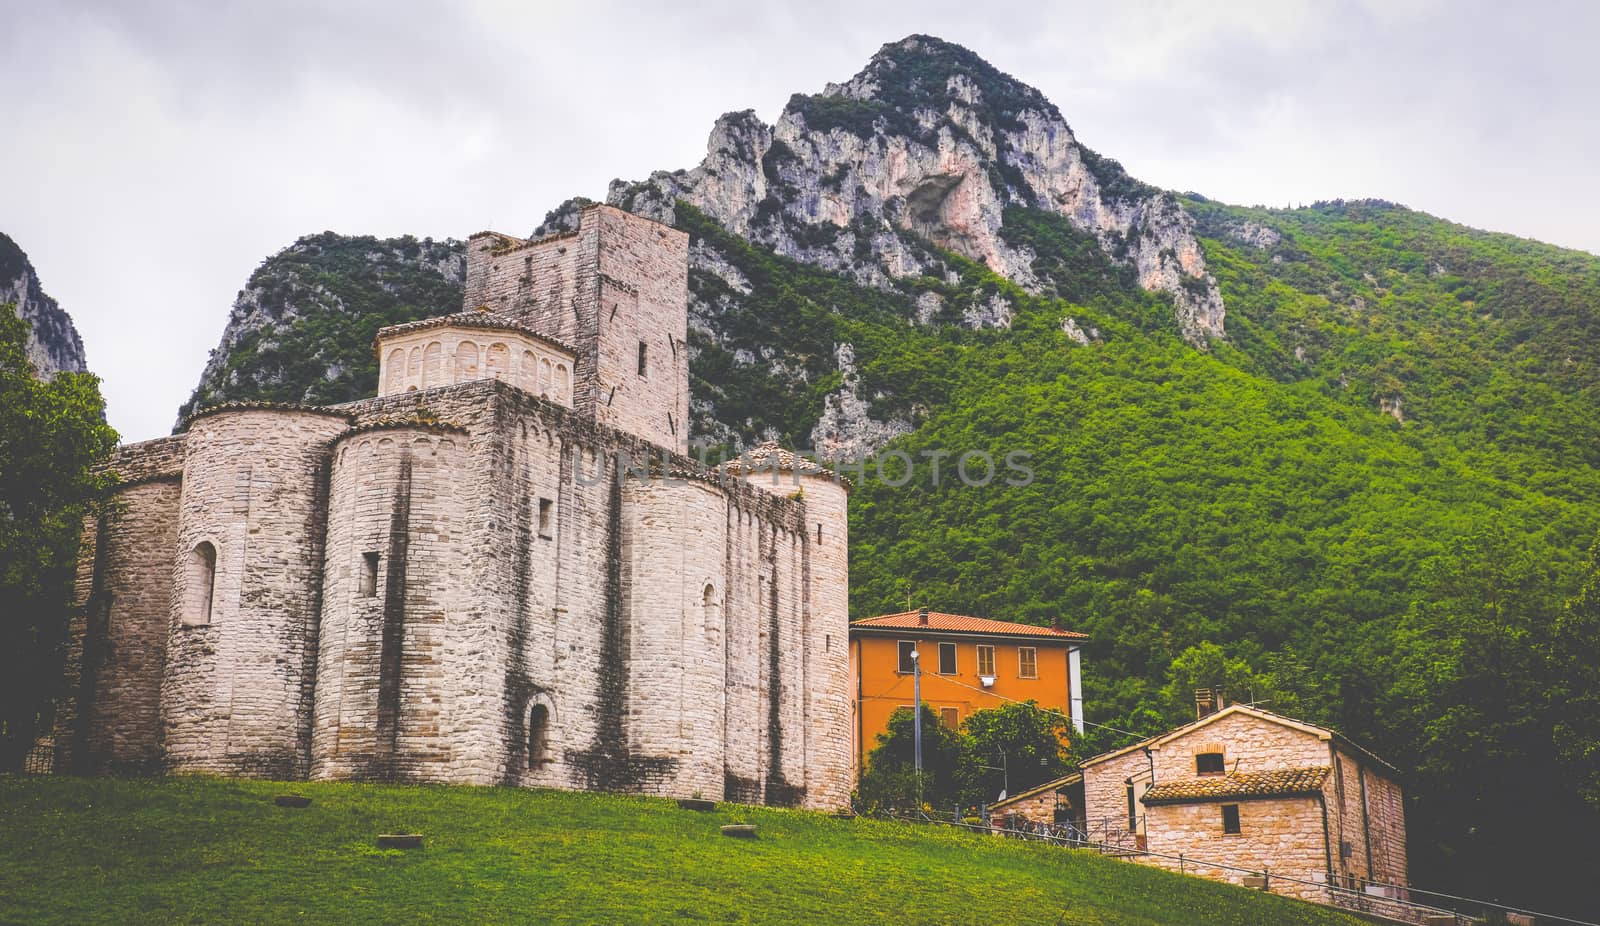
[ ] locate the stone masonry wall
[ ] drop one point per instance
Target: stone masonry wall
(1247, 744)
(1105, 795)
(829, 759)
(1387, 823)
(236, 697)
(384, 692)
(1282, 836)
(618, 282)
(118, 633)
(643, 293)
(444, 356)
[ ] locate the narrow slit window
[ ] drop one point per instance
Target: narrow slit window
(644, 360)
(1133, 811)
(947, 659)
(547, 510)
(819, 532)
(369, 574)
(1027, 662)
(538, 735)
(986, 661)
(1230, 819)
(201, 584)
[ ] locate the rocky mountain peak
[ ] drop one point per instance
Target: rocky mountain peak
(53, 342)
(925, 149)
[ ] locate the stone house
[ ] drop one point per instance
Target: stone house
(1257, 791)
(503, 569)
(1054, 803)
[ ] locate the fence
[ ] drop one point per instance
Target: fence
(1399, 903)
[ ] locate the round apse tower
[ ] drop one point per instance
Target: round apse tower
(236, 695)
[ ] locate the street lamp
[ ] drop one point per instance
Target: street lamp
(916, 720)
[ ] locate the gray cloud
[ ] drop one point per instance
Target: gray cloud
(157, 152)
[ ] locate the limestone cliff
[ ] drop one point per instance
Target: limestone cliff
(53, 343)
(301, 330)
(928, 145)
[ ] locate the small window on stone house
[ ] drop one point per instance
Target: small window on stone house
(1230, 819)
(907, 664)
(644, 363)
(1133, 811)
(369, 574)
(547, 512)
(538, 736)
(1209, 763)
(950, 717)
(947, 659)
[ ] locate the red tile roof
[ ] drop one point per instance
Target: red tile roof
(961, 623)
(1284, 782)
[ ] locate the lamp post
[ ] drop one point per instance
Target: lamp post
(916, 720)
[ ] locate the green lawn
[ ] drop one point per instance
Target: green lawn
(201, 850)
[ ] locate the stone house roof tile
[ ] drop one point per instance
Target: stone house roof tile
(962, 623)
(1305, 781)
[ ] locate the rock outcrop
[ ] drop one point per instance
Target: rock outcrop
(53, 342)
(929, 145)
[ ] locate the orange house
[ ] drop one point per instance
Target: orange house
(968, 664)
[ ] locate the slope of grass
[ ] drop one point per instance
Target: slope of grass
(199, 850)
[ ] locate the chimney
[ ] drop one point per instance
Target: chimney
(922, 617)
(1055, 622)
(1207, 701)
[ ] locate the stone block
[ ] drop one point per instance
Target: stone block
(400, 841)
(739, 831)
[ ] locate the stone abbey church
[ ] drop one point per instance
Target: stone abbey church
(504, 569)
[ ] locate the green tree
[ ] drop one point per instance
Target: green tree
(1013, 747)
(1575, 652)
(890, 782)
(52, 433)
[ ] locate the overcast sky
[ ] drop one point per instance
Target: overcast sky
(155, 153)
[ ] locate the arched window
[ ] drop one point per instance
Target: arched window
(433, 365)
(709, 614)
(538, 735)
(498, 362)
(563, 382)
(200, 577)
(544, 378)
(414, 367)
(528, 370)
(394, 373)
(466, 362)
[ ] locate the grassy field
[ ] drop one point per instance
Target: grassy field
(201, 850)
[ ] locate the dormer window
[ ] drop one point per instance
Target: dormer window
(1209, 763)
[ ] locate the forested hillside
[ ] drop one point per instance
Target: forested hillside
(1369, 498)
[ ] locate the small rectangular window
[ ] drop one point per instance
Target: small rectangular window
(1133, 812)
(947, 659)
(907, 664)
(986, 661)
(827, 643)
(644, 363)
(950, 717)
(1027, 662)
(1230, 819)
(1209, 763)
(369, 575)
(546, 516)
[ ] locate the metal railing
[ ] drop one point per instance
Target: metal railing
(1387, 901)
